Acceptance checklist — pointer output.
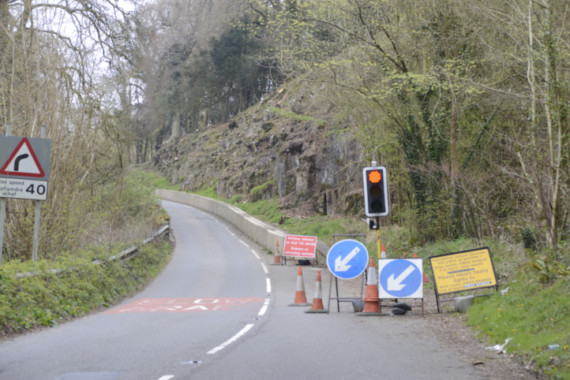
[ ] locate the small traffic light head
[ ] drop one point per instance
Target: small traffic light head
(375, 191)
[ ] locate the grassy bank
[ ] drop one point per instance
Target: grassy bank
(123, 214)
(47, 298)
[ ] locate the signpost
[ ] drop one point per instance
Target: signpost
(346, 259)
(24, 173)
(376, 196)
(461, 271)
(24, 167)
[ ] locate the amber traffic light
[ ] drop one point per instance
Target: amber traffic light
(375, 191)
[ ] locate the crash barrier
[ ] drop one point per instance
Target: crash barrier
(262, 233)
(123, 255)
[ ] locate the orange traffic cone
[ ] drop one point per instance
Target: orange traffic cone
(317, 306)
(277, 256)
(371, 300)
(300, 297)
(383, 253)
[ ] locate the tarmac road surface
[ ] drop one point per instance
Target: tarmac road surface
(220, 310)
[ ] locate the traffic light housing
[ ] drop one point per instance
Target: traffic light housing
(375, 191)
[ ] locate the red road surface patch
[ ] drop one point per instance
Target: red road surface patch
(183, 305)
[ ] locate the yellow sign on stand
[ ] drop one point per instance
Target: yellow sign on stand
(461, 271)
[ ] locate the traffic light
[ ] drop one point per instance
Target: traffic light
(375, 191)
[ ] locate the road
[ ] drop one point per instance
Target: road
(220, 310)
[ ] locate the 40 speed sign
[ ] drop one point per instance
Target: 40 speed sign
(24, 167)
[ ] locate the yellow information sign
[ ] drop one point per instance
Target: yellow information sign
(456, 272)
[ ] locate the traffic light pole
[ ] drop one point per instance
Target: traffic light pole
(378, 238)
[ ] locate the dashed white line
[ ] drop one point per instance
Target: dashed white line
(263, 309)
(166, 377)
(268, 285)
(232, 339)
(265, 268)
(255, 254)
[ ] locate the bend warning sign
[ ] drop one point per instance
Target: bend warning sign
(24, 167)
(461, 271)
(23, 162)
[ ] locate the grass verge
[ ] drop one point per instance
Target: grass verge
(534, 317)
(47, 299)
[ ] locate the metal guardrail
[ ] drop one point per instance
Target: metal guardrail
(123, 255)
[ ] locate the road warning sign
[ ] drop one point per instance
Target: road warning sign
(461, 271)
(22, 157)
(23, 162)
(300, 246)
(24, 167)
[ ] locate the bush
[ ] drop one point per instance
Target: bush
(48, 298)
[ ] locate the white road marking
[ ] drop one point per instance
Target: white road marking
(244, 243)
(166, 377)
(268, 285)
(255, 254)
(265, 268)
(232, 339)
(263, 309)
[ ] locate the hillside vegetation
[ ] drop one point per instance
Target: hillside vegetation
(465, 102)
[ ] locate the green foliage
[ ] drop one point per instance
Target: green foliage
(48, 298)
(295, 116)
(546, 269)
(209, 190)
(534, 317)
(258, 191)
(151, 180)
(267, 210)
(323, 227)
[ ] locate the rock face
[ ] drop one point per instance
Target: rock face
(265, 153)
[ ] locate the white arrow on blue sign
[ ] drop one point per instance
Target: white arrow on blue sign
(400, 278)
(347, 259)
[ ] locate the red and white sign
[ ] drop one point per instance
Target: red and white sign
(23, 162)
(300, 246)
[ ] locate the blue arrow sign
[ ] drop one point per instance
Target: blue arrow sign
(400, 278)
(347, 259)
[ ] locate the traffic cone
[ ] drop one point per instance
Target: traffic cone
(371, 300)
(277, 256)
(317, 306)
(300, 297)
(383, 252)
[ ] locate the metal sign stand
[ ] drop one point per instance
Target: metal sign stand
(3, 205)
(345, 299)
(38, 207)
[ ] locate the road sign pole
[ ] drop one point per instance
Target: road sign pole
(3, 205)
(37, 216)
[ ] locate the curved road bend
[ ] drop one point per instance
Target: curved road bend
(219, 310)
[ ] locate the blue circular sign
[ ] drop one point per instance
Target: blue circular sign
(347, 259)
(400, 278)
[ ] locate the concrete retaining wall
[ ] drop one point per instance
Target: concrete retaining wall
(262, 233)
